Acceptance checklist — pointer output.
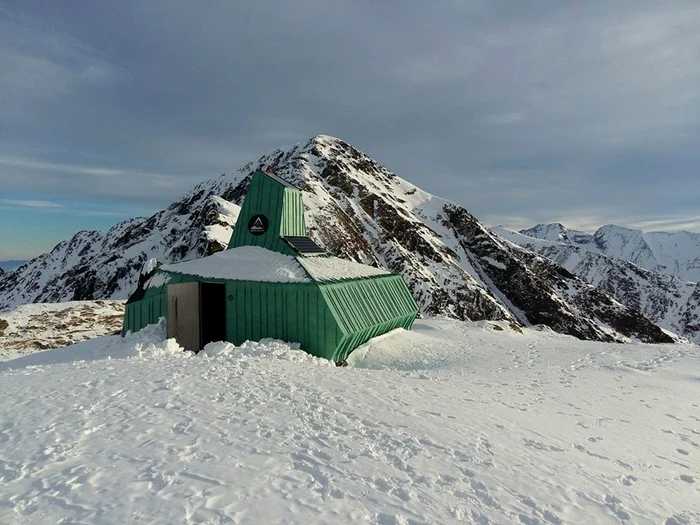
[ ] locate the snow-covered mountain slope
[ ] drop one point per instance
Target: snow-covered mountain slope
(96, 265)
(450, 423)
(668, 301)
(674, 253)
(358, 210)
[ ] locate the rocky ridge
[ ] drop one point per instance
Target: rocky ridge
(667, 300)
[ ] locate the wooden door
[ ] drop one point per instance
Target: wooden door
(184, 315)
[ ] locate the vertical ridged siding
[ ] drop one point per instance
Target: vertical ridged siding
(293, 222)
(292, 312)
(147, 311)
(365, 308)
(366, 302)
(282, 206)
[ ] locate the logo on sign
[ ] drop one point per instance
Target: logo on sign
(258, 224)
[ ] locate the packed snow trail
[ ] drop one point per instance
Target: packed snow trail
(450, 423)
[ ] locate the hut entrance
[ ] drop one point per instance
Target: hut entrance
(197, 314)
(213, 312)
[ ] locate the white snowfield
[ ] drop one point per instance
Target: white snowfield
(451, 423)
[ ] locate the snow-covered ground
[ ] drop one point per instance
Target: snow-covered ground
(451, 423)
(32, 327)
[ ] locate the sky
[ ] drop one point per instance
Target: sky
(585, 113)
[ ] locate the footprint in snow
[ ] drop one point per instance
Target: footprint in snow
(615, 506)
(382, 485)
(538, 514)
(683, 519)
(541, 446)
(627, 480)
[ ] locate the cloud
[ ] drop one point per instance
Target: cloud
(41, 69)
(31, 203)
(533, 110)
(97, 213)
(75, 181)
(38, 165)
(672, 223)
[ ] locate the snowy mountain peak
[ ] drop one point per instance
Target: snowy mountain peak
(558, 232)
(361, 211)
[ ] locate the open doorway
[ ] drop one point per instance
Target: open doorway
(197, 314)
(212, 299)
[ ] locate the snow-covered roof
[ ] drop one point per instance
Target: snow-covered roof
(336, 269)
(253, 263)
(245, 263)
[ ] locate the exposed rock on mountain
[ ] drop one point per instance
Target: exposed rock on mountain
(674, 253)
(668, 301)
(359, 210)
(93, 265)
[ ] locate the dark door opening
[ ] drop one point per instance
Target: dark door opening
(213, 312)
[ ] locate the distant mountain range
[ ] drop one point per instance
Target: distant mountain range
(359, 210)
(666, 299)
(672, 253)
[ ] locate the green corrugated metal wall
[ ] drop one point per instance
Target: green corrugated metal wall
(283, 208)
(144, 312)
(365, 308)
(294, 312)
(330, 320)
(293, 222)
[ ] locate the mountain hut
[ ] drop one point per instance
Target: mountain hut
(273, 281)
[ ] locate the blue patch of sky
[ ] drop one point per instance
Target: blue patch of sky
(31, 226)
